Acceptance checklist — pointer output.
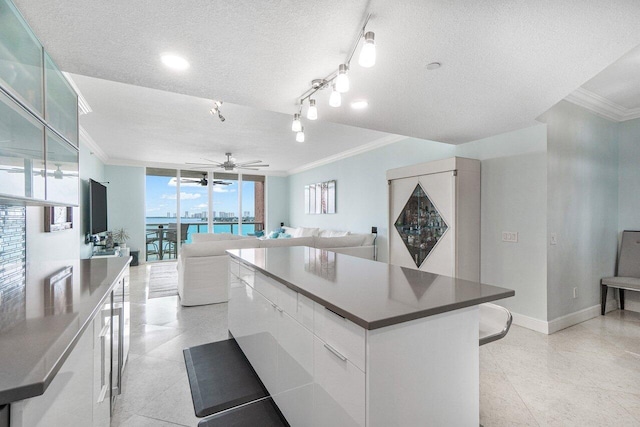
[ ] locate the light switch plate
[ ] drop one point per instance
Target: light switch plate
(510, 236)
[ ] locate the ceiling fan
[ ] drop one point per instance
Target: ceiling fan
(203, 181)
(230, 164)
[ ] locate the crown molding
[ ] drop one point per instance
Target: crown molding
(93, 145)
(386, 140)
(602, 106)
(83, 105)
(161, 165)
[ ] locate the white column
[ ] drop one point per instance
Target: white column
(178, 231)
(210, 211)
(239, 203)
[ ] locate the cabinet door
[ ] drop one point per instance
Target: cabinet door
(61, 102)
(62, 171)
(101, 368)
(294, 394)
(20, 58)
(252, 321)
(22, 169)
(339, 389)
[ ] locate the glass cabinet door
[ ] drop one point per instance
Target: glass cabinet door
(20, 58)
(22, 172)
(62, 102)
(62, 171)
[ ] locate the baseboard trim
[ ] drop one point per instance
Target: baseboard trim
(530, 323)
(563, 322)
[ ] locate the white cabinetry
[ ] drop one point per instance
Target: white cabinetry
(315, 379)
(434, 217)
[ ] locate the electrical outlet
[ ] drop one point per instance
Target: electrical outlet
(575, 292)
(510, 236)
(553, 239)
(0, 298)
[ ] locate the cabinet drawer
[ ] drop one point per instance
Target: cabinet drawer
(340, 333)
(246, 274)
(234, 267)
(304, 313)
(284, 298)
(339, 389)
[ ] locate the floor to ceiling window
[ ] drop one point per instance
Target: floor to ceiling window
(180, 203)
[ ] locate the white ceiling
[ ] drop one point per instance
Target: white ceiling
(504, 62)
(620, 82)
(133, 124)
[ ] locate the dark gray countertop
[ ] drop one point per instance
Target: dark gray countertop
(34, 346)
(369, 293)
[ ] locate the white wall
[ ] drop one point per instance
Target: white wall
(90, 168)
(361, 188)
(628, 185)
(277, 203)
(126, 203)
(514, 198)
(582, 203)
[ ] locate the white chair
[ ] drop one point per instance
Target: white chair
(495, 322)
(628, 275)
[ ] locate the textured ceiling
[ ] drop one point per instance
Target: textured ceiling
(504, 62)
(133, 124)
(620, 82)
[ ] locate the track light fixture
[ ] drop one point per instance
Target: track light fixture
(337, 80)
(312, 112)
(215, 111)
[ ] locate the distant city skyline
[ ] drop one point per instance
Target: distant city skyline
(161, 199)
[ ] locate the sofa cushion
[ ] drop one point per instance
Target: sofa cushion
(276, 243)
(305, 232)
(339, 242)
(216, 237)
(216, 248)
(332, 233)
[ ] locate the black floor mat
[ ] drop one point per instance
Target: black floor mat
(221, 377)
(263, 413)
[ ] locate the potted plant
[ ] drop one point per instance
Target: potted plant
(121, 236)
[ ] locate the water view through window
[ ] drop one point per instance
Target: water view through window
(162, 207)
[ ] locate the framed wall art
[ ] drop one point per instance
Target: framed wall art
(320, 198)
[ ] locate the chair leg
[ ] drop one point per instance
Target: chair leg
(621, 299)
(603, 296)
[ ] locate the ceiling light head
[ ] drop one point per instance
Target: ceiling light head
(318, 83)
(342, 79)
(312, 112)
(300, 135)
(433, 66)
(296, 126)
(359, 105)
(335, 99)
(367, 57)
(175, 62)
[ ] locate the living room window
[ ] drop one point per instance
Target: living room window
(182, 202)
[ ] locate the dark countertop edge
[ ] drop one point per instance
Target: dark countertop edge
(38, 388)
(390, 321)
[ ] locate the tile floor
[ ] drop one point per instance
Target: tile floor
(586, 375)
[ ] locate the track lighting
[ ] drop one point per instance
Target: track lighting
(367, 57)
(312, 112)
(335, 99)
(342, 80)
(338, 80)
(296, 126)
(300, 135)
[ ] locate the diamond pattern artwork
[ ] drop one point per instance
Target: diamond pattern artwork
(420, 225)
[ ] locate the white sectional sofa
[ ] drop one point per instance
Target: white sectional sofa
(203, 265)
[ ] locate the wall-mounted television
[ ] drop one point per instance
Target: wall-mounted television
(97, 207)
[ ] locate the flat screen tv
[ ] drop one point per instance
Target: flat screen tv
(97, 207)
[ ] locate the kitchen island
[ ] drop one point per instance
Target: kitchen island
(340, 340)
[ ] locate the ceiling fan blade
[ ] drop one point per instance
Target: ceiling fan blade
(256, 166)
(248, 163)
(212, 161)
(221, 183)
(247, 169)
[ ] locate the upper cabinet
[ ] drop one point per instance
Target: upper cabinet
(38, 109)
(62, 102)
(20, 59)
(22, 171)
